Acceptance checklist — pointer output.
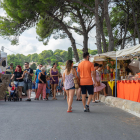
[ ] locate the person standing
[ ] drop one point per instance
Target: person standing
(86, 71)
(36, 80)
(69, 85)
(41, 84)
(18, 80)
(10, 70)
(27, 75)
(54, 77)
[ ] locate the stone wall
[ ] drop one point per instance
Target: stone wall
(3, 86)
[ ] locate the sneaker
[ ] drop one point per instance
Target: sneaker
(28, 100)
(87, 108)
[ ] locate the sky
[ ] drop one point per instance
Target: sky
(29, 44)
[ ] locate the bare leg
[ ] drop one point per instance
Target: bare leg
(89, 99)
(93, 97)
(79, 94)
(104, 92)
(52, 86)
(55, 86)
(67, 92)
(97, 95)
(20, 92)
(84, 100)
(70, 101)
(29, 93)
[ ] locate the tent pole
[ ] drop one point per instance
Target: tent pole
(116, 80)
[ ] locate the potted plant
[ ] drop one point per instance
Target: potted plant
(112, 67)
(112, 62)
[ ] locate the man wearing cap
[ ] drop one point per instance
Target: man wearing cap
(10, 69)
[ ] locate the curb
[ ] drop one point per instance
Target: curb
(126, 105)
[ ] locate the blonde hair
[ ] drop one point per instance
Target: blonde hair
(12, 83)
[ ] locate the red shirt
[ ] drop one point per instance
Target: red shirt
(13, 88)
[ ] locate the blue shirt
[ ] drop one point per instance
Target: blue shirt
(37, 74)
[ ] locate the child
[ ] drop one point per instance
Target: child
(12, 88)
(48, 87)
(60, 84)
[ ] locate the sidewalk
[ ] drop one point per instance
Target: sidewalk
(126, 105)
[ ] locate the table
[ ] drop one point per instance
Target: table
(129, 90)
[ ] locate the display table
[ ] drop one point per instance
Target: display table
(110, 88)
(129, 90)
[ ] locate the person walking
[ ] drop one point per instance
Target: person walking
(68, 76)
(18, 80)
(42, 84)
(27, 75)
(54, 77)
(86, 71)
(36, 80)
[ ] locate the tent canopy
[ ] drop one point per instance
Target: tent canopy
(129, 52)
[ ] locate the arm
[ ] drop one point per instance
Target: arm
(51, 74)
(63, 78)
(35, 78)
(39, 78)
(93, 74)
(12, 76)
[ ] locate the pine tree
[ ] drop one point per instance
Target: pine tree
(70, 53)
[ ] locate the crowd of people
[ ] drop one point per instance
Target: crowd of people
(87, 75)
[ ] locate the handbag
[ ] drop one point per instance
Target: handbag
(76, 82)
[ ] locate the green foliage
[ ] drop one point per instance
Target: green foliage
(33, 66)
(70, 53)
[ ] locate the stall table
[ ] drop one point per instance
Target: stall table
(129, 90)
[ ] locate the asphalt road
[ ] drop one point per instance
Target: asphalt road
(49, 120)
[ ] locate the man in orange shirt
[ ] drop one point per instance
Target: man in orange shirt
(86, 71)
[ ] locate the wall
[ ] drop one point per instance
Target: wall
(3, 86)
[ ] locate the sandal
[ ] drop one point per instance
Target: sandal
(69, 111)
(80, 100)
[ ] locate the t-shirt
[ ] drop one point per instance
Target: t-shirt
(9, 71)
(18, 75)
(37, 74)
(13, 88)
(85, 68)
(27, 77)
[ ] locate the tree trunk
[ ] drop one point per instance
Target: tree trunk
(123, 41)
(73, 44)
(85, 43)
(135, 21)
(98, 31)
(105, 49)
(134, 37)
(108, 24)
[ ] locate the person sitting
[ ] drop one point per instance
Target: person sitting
(12, 88)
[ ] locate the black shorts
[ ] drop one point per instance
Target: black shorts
(89, 88)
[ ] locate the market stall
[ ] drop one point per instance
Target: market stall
(108, 73)
(129, 86)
